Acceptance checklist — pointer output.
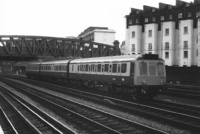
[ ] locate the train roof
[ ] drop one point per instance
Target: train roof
(107, 59)
(56, 62)
(120, 58)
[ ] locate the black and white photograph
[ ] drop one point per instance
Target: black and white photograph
(99, 67)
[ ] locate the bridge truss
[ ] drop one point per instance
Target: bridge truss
(25, 47)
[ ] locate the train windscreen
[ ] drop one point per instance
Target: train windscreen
(143, 68)
(160, 67)
(152, 68)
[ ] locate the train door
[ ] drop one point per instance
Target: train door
(132, 70)
(119, 69)
(110, 69)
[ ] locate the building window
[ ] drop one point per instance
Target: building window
(198, 14)
(185, 55)
(185, 45)
(162, 17)
(150, 46)
(170, 16)
(185, 30)
(166, 45)
(150, 33)
(180, 15)
(189, 14)
(133, 34)
(146, 19)
(133, 47)
(167, 32)
(154, 19)
(130, 21)
(166, 55)
(153, 10)
(137, 12)
(136, 21)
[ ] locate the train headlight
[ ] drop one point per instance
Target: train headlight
(161, 82)
(143, 82)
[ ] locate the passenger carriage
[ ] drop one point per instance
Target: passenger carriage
(135, 75)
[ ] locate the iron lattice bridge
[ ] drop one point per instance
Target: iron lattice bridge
(39, 46)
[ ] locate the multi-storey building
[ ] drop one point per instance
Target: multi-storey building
(98, 34)
(172, 32)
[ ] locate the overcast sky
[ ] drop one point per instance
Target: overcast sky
(62, 18)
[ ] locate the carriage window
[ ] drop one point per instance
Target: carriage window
(92, 68)
(114, 69)
(110, 68)
(72, 67)
(64, 67)
(89, 67)
(95, 68)
(152, 68)
(123, 68)
(99, 67)
(102, 68)
(86, 68)
(143, 68)
(106, 67)
(160, 67)
(78, 67)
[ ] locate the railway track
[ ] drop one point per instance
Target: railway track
(167, 115)
(89, 118)
(176, 107)
(36, 124)
(183, 91)
(6, 124)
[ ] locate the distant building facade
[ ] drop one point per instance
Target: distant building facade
(98, 34)
(173, 32)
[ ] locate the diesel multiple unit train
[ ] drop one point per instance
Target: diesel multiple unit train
(134, 75)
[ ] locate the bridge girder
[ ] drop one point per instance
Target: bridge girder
(15, 46)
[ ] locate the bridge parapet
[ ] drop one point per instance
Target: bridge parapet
(16, 46)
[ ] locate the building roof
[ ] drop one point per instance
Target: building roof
(89, 29)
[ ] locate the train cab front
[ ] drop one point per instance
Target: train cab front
(150, 77)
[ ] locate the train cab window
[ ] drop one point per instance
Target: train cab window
(99, 67)
(106, 68)
(114, 68)
(152, 68)
(143, 68)
(160, 67)
(123, 68)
